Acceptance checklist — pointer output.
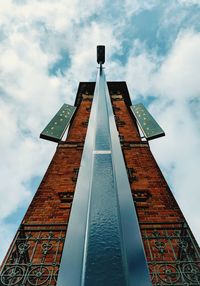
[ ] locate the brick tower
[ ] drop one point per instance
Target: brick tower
(115, 233)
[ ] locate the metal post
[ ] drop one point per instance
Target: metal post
(103, 244)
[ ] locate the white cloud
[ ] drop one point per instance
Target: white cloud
(33, 35)
(140, 70)
(136, 6)
(174, 81)
(60, 15)
(179, 75)
(6, 236)
(84, 52)
(189, 2)
(178, 156)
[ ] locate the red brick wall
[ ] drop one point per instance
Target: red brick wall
(148, 182)
(158, 213)
(49, 204)
(153, 199)
(37, 247)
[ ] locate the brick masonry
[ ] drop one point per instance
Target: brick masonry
(154, 201)
(50, 202)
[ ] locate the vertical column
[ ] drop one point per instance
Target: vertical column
(103, 244)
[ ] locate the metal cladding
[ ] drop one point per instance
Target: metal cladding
(103, 244)
(147, 123)
(100, 54)
(56, 128)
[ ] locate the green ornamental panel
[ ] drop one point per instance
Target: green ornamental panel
(147, 123)
(56, 128)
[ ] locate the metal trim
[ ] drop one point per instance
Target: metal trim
(74, 268)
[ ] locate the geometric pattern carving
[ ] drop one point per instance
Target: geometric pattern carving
(66, 197)
(131, 176)
(119, 122)
(75, 176)
(88, 109)
(121, 139)
(87, 97)
(85, 123)
(117, 97)
(141, 195)
(172, 253)
(34, 256)
(116, 108)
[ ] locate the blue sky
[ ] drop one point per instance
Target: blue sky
(47, 47)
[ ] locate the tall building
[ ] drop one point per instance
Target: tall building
(103, 213)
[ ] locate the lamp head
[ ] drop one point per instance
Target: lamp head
(100, 55)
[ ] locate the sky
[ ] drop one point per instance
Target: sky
(47, 47)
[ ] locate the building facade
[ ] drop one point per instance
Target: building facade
(171, 251)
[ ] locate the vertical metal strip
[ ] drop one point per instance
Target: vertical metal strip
(138, 273)
(103, 243)
(72, 261)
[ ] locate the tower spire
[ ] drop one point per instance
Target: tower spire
(103, 242)
(81, 227)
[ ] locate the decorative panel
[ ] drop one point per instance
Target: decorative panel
(172, 253)
(147, 123)
(34, 256)
(56, 128)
